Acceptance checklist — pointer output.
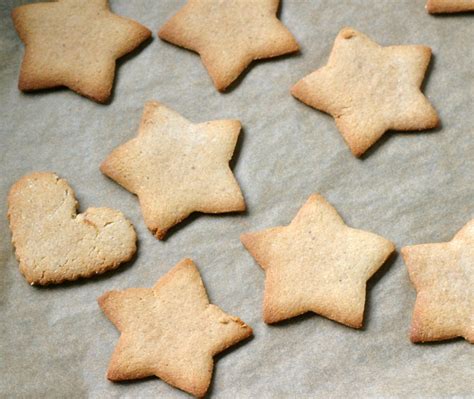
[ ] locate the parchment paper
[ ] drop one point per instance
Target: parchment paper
(411, 188)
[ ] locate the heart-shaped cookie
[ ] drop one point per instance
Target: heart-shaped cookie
(55, 244)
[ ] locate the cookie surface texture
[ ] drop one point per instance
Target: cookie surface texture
(176, 167)
(53, 243)
(449, 6)
(317, 264)
(229, 35)
(443, 276)
(170, 331)
(369, 89)
(74, 43)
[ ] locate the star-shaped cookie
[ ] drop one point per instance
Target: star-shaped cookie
(176, 167)
(369, 89)
(229, 35)
(449, 6)
(170, 331)
(74, 43)
(443, 276)
(317, 264)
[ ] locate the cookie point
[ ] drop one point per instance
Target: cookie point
(357, 151)
(358, 324)
(112, 376)
(187, 262)
(159, 234)
(348, 33)
(102, 97)
(270, 317)
(101, 299)
(295, 89)
(405, 251)
(316, 197)
(248, 330)
(153, 103)
(414, 338)
(245, 238)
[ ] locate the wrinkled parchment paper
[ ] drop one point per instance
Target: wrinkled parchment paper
(411, 188)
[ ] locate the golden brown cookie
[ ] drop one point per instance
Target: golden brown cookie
(449, 6)
(74, 43)
(53, 243)
(170, 331)
(229, 35)
(317, 264)
(369, 89)
(443, 276)
(176, 167)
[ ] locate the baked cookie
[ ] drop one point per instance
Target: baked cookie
(74, 43)
(317, 264)
(229, 35)
(449, 6)
(53, 243)
(369, 89)
(170, 331)
(176, 167)
(443, 276)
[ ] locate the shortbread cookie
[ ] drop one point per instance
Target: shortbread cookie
(443, 276)
(317, 264)
(370, 89)
(74, 43)
(229, 35)
(176, 167)
(53, 243)
(449, 6)
(170, 331)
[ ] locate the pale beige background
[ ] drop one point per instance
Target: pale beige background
(412, 188)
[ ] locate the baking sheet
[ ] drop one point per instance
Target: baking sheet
(411, 188)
